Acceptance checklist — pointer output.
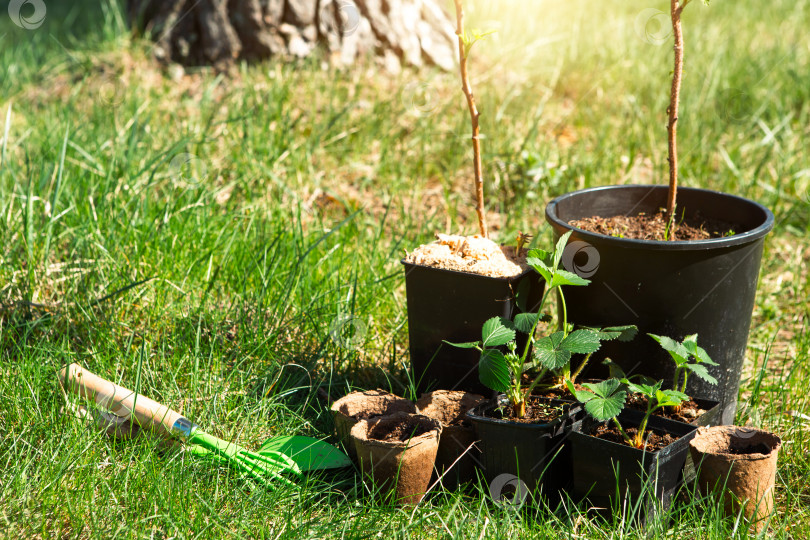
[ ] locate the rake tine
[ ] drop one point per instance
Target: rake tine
(276, 459)
(259, 472)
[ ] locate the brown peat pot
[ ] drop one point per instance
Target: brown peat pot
(458, 454)
(362, 405)
(400, 467)
(741, 461)
(453, 306)
(675, 289)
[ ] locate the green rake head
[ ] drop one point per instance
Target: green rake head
(267, 468)
(276, 457)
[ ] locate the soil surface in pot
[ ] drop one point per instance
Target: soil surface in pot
(690, 410)
(449, 407)
(402, 431)
(742, 450)
(654, 227)
(688, 413)
(557, 392)
(655, 441)
(537, 412)
(471, 254)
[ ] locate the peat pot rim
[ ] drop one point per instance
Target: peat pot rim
(705, 437)
(390, 400)
(766, 225)
(406, 264)
(360, 430)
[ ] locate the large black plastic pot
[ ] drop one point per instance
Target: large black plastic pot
(666, 288)
(453, 306)
(607, 473)
(534, 453)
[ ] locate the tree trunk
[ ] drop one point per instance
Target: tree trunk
(217, 32)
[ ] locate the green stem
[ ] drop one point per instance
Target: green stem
(535, 382)
(685, 375)
(534, 327)
(565, 312)
(625, 436)
(642, 427)
(580, 368)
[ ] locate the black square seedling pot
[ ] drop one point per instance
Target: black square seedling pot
(453, 306)
(599, 465)
(710, 418)
(535, 453)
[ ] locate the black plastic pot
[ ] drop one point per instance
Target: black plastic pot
(606, 473)
(534, 453)
(453, 306)
(667, 288)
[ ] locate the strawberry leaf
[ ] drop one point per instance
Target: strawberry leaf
(493, 371)
(581, 341)
(495, 332)
(547, 351)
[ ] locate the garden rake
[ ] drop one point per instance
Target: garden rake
(276, 457)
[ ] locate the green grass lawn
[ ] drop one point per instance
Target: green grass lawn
(208, 240)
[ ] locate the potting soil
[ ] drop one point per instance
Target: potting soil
(654, 227)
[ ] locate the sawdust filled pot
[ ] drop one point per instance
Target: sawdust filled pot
(457, 455)
(351, 408)
(453, 306)
(672, 288)
(397, 453)
(741, 461)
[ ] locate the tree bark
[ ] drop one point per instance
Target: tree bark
(219, 32)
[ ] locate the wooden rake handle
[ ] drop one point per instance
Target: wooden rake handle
(123, 402)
